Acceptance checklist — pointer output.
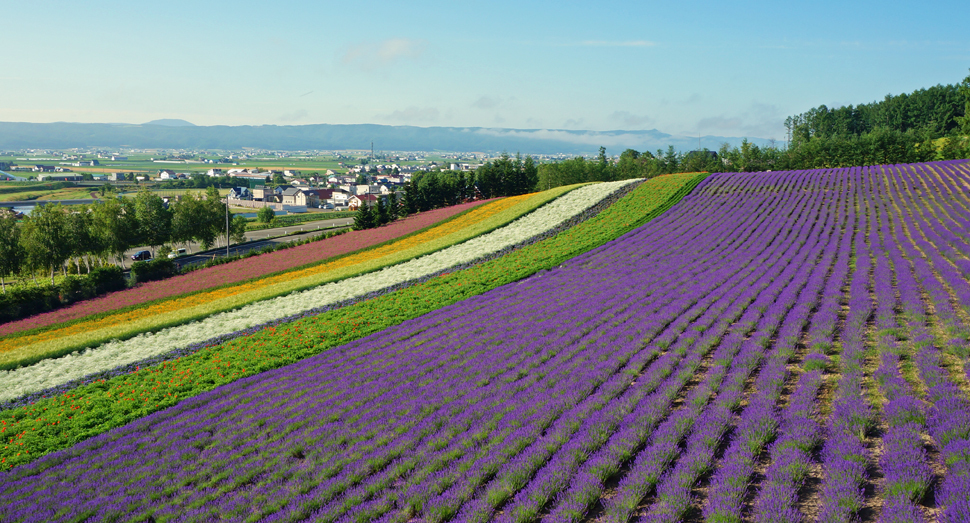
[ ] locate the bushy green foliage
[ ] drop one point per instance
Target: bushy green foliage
(265, 215)
(157, 269)
(20, 302)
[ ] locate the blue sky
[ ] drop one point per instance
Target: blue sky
(687, 68)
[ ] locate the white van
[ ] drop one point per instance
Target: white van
(177, 253)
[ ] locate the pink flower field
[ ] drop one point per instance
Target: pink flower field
(240, 270)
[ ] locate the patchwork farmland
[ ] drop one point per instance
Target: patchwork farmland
(767, 347)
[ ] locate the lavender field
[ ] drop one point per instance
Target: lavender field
(777, 347)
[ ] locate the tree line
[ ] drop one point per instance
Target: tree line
(504, 176)
(925, 125)
(53, 234)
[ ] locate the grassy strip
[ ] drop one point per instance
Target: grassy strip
(179, 312)
(56, 423)
(253, 224)
(143, 305)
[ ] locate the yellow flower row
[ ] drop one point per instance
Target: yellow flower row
(55, 342)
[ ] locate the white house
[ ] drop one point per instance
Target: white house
(340, 198)
(356, 200)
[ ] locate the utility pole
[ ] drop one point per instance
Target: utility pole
(227, 225)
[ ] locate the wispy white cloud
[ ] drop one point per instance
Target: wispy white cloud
(487, 102)
(629, 119)
(610, 43)
(757, 120)
(371, 55)
(590, 138)
(294, 116)
(413, 114)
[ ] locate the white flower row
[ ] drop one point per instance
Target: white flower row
(57, 371)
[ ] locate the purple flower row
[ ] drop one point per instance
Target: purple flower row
(522, 403)
(759, 421)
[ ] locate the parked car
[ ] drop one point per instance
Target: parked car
(142, 256)
(177, 253)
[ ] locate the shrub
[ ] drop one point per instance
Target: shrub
(107, 279)
(74, 289)
(265, 215)
(157, 269)
(25, 301)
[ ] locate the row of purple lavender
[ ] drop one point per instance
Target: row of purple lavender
(770, 327)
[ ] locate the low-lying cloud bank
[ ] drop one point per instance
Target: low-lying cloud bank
(61, 135)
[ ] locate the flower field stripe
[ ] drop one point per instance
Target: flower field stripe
(240, 270)
(440, 502)
(450, 497)
(52, 372)
(573, 502)
(164, 385)
(203, 303)
(760, 419)
(659, 362)
(805, 277)
(21, 350)
(904, 462)
(799, 431)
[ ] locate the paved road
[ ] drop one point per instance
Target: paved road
(257, 240)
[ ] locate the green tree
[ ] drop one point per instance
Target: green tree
(186, 214)
(237, 229)
(45, 239)
(115, 227)
(211, 219)
(11, 251)
(154, 220)
(964, 120)
(393, 206)
(382, 216)
(79, 233)
(265, 215)
(530, 175)
(364, 218)
(411, 202)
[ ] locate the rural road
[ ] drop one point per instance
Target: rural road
(256, 240)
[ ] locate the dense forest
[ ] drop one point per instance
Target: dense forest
(925, 125)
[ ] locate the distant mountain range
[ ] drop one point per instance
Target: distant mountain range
(179, 134)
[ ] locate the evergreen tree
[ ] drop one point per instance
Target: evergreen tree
(364, 219)
(393, 207)
(382, 215)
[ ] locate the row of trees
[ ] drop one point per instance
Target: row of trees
(633, 164)
(369, 216)
(939, 111)
(927, 124)
(505, 176)
(53, 234)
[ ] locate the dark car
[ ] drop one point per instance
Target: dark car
(142, 256)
